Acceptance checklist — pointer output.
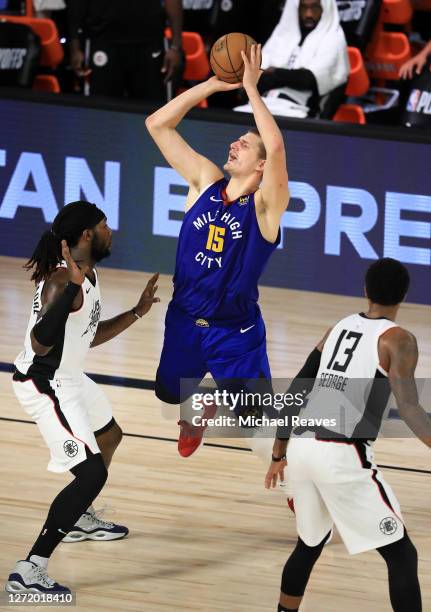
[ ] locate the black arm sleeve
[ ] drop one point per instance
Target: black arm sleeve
(53, 322)
(303, 381)
(300, 79)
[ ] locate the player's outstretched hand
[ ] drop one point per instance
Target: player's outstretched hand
(275, 472)
(148, 298)
(217, 84)
(76, 274)
(252, 70)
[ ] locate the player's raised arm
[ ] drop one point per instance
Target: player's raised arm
(60, 297)
(196, 169)
(273, 195)
(401, 348)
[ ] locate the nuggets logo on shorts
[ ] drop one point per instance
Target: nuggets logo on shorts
(70, 448)
(388, 525)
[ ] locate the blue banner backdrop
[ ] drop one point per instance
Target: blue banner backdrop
(353, 199)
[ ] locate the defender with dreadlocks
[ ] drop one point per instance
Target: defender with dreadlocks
(72, 412)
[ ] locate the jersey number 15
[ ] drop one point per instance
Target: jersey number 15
(215, 240)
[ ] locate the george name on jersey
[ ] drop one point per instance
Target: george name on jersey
(333, 381)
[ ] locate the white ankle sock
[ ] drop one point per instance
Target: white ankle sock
(41, 561)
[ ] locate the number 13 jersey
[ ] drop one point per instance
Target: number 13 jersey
(351, 386)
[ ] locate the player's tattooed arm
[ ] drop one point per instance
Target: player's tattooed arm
(106, 330)
(61, 294)
(399, 349)
(58, 298)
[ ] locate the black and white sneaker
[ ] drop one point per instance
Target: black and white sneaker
(31, 578)
(90, 527)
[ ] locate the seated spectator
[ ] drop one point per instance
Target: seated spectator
(125, 50)
(416, 97)
(305, 60)
(415, 65)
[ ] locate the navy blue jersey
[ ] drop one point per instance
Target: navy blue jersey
(220, 257)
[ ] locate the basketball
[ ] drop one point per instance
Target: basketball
(225, 57)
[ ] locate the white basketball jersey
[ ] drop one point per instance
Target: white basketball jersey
(66, 358)
(351, 387)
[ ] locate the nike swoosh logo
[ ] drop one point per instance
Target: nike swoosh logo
(155, 54)
(61, 531)
(88, 290)
(214, 199)
(246, 329)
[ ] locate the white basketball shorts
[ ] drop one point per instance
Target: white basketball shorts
(338, 483)
(68, 413)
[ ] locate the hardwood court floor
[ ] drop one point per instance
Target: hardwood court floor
(204, 534)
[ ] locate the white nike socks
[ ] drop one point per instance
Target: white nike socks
(40, 561)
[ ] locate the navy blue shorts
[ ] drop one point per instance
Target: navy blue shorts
(191, 350)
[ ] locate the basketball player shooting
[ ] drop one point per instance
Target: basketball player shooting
(331, 472)
(73, 414)
(230, 229)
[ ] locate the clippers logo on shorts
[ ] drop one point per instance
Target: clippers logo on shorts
(388, 525)
(70, 447)
(94, 319)
(100, 59)
(419, 102)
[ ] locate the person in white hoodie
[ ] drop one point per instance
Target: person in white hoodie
(304, 60)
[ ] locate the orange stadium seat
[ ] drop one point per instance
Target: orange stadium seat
(359, 81)
(396, 12)
(357, 85)
(197, 64)
(46, 82)
(350, 113)
(51, 49)
(386, 53)
(29, 11)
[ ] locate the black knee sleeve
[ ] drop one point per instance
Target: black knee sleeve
(299, 566)
(71, 503)
(91, 474)
(402, 560)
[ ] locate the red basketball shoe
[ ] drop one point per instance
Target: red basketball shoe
(191, 436)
